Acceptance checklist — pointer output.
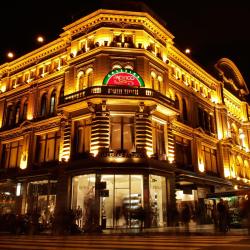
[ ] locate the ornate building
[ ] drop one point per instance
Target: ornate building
(111, 116)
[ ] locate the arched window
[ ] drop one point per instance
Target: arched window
(239, 165)
(52, 103)
(153, 80)
(246, 167)
(61, 94)
(116, 66)
(128, 66)
(80, 81)
(184, 110)
(159, 82)
(89, 77)
(25, 111)
(177, 102)
(43, 105)
(235, 134)
(17, 113)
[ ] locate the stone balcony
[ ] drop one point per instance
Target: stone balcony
(118, 92)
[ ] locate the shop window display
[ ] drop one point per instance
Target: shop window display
(7, 198)
(119, 200)
(118, 205)
(234, 204)
(83, 198)
(157, 201)
(42, 200)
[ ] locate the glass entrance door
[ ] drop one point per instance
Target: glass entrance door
(119, 209)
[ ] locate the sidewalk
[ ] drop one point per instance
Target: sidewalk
(193, 230)
(198, 230)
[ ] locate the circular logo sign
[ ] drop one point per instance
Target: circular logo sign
(123, 77)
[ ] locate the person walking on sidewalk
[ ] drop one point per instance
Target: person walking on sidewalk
(186, 216)
(222, 216)
(246, 211)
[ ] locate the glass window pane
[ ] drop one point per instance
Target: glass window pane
(128, 134)
(137, 190)
(115, 136)
(107, 203)
(121, 181)
(83, 195)
(50, 149)
(122, 207)
(157, 202)
(13, 157)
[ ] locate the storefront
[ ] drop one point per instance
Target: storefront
(200, 207)
(8, 198)
(41, 199)
(234, 201)
(119, 198)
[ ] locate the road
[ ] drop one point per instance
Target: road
(123, 242)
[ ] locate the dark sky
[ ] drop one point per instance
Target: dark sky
(212, 29)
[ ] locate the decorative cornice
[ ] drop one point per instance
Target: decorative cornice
(35, 56)
(124, 17)
(194, 69)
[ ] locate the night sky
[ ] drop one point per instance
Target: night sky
(211, 29)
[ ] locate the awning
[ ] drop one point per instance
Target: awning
(229, 193)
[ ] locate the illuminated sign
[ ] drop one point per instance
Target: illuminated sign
(123, 77)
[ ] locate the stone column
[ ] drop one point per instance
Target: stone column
(62, 202)
(143, 127)
(224, 148)
(66, 134)
(170, 143)
(100, 128)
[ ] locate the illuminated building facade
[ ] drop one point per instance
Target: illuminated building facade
(111, 116)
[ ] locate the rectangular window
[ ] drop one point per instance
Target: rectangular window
(13, 83)
(183, 152)
(158, 138)
(210, 160)
(32, 74)
(26, 77)
(122, 136)
(40, 71)
(11, 154)
(82, 136)
(47, 147)
(46, 68)
(201, 117)
(19, 80)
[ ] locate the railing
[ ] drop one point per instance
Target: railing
(117, 91)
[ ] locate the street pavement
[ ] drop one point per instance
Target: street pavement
(123, 242)
(207, 229)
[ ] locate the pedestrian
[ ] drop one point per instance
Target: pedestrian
(227, 216)
(174, 216)
(141, 216)
(186, 216)
(246, 212)
(222, 216)
(78, 215)
(215, 216)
